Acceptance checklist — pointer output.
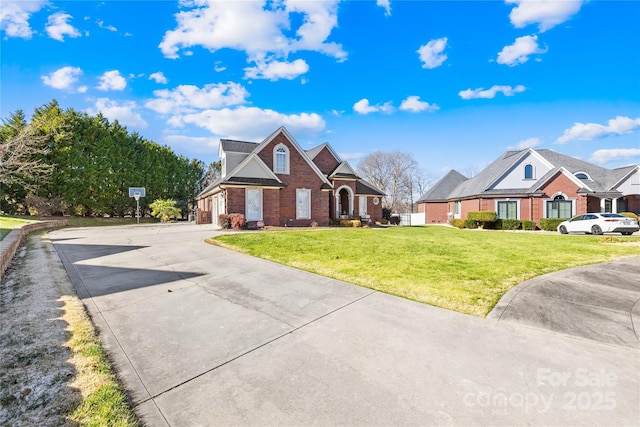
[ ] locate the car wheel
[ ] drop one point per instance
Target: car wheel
(627, 233)
(563, 230)
(596, 230)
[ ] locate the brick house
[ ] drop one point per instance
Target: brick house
(276, 182)
(533, 184)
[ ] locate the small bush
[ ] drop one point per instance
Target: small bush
(350, 223)
(165, 209)
(224, 221)
(237, 221)
(457, 223)
(510, 224)
(386, 213)
(550, 224)
(234, 220)
(482, 218)
(528, 225)
(629, 215)
(469, 223)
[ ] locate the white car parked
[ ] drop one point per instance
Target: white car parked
(598, 223)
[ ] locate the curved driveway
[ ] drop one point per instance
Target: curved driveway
(206, 336)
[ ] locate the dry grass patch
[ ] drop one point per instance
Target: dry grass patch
(53, 370)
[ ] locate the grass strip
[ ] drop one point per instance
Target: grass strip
(104, 402)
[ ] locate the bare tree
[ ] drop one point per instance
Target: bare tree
(395, 174)
(418, 181)
(22, 159)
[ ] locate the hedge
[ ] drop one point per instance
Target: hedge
(550, 224)
(457, 223)
(482, 218)
(528, 225)
(510, 224)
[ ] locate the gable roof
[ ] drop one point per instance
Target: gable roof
(455, 186)
(343, 170)
(442, 189)
(233, 146)
(295, 144)
(312, 153)
(252, 161)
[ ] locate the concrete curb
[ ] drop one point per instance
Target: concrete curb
(11, 242)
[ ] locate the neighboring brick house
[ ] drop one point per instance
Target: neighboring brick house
(276, 182)
(533, 184)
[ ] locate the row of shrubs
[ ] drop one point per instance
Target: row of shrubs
(490, 220)
(498, 224)
(237, 221)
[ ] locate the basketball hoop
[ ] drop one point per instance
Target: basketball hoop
(136, 193)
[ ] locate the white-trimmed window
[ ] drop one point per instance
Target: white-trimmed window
(456, 209)
(303, 203)
(528, 171)
(281, 159)
(559, 207)
(362, 205)
(507, 209)
(253, 204)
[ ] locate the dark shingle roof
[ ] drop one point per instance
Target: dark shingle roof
(454, 185)
(230, 145)
(444, 187)
(363, 188)
(253, 181)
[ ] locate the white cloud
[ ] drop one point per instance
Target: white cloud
(519, 52)
(63, 78)
(15, 14)
(198, 144)
(607, 155)
(526, 143)
(188, 98)
(546, 13)
(125, 112)
(251, 123)
(100, 23)
(58, 27)
(589, 131)
(431, 53)
(363, 107)
(275, 70)
(413, 104)
(250, 26)
(351, 156)
(159, 77)
(491, 92)
(112, 80)
(386, 5)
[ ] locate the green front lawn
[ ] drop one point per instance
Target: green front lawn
(8, 223)
(462, 270)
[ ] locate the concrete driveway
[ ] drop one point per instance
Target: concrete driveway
(204, 336)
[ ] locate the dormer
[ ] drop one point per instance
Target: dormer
(583, 175)
(232, 153)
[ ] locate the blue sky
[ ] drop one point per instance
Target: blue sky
(455, 83)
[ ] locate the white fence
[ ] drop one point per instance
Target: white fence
(412, 219)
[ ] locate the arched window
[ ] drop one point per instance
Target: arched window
(528, 172)
(281, 159)
(582, 175)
